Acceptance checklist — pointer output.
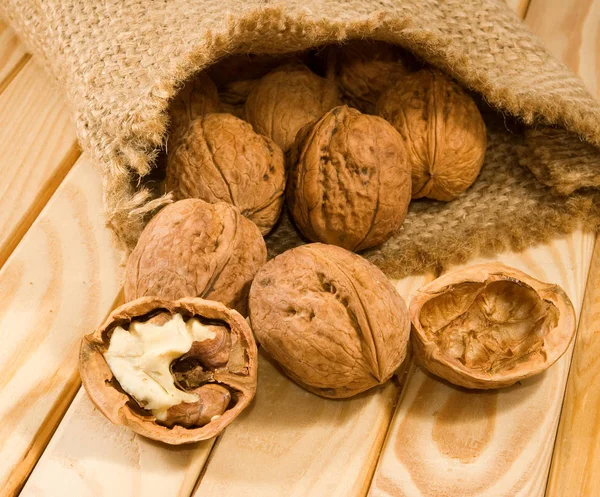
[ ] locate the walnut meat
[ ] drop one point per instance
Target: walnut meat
(443, 129)
(349, 180)
(198, 96)
(363, 69)
(195, 249)
(489, 326)
(332, 320)
(220, 158)
(142, 387)
(286, 99)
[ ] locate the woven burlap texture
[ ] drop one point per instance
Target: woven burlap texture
(119, 63)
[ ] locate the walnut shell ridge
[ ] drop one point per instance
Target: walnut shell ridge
(110, 399)
(349, 180)
(286, 99)
(363, 69)
(197, 97)
(221, 159)
(333, 321)
(489, 326)
(443, 129)
(195, 249)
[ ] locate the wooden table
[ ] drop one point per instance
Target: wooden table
(60, 276)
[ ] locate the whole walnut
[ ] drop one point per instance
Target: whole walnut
(332, 320)
(220, 158)
(195, 249)
(349, 180)
(198, 96)
(286, 99)
(443, 129)
(489, 326)
(363, 69)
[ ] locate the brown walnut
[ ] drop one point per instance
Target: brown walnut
(286, 99)
(363, 69)
(197, 97)
(349, 180)
(489, 326)
(221, 159)
(443, 129)
(223, 392)
(332, 320)
(195, 249)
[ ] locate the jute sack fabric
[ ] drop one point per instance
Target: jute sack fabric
(119, 63)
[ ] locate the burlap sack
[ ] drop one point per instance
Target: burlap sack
(119, 63)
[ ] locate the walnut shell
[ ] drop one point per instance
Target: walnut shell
(197, 97)
(444, 131)
(363, 69)
(332, 320)
(223, 392)
(220, 158)
(286, 99)
(489, 326)
(349, 180)
(195, 249)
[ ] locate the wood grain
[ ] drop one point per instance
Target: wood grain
(519, 7)
(37, 149)
(446, 441)
(12, 55)
(57, 285)
(572, 33)
(575, 467)
(293, 443)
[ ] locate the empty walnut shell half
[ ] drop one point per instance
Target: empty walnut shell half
(489, 326)
(195, 249)
(218, 392)
(332, 320)
(443, 129)
(221, 159)
(286, 99)
(349, 180)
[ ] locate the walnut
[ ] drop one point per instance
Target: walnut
(287, 99)
(349, 180)
(489, 326)
(197, 97)
(363, 69)
(443, 129)
(138, 373)
(220, 158)
(332, 320)
(195, 249)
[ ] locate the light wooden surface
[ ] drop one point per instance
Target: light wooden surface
(37, 150)
(307, 445)
(446, 441)
(442, 440)
(575, 467)
(58, 284)
(12, 55)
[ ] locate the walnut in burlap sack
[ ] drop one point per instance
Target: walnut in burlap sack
(121, 61)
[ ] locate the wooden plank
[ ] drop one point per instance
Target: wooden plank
(571, 31)
(89, 456)
(294, 443)
(575, 469)
(446, 441)
(519, 6)
(37, 149)
(12, 55)
(57, 285)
